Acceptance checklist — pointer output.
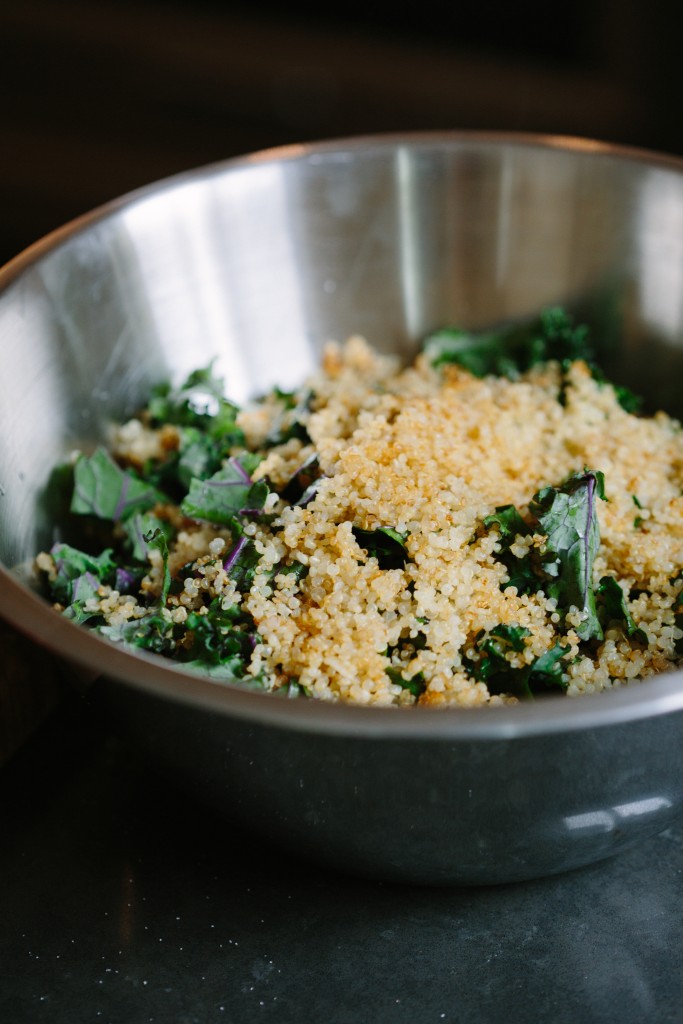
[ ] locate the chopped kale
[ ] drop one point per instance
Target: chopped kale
(241, 563)
(72, 564)
(612, 607)
(301, 482)
(509, 522)
(137, 529)
(104, 490)
(416, 684)
(157, 539)
(296, 569)
(567, 516)
(291, 690)
(128, 579)
(638, 521)
(385, 544)
(289, 423)
(492, 666)
(83, 589)
(627, 399)
(222, 672)
(198, 402)
(512, 350)
(523, 574)
(226, 496)
(199, 456)
(152, 632)
(213, 638)
(678, 615)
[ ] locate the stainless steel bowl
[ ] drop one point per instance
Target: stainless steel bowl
(258, 262)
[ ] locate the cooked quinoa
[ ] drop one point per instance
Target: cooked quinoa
(376, 565)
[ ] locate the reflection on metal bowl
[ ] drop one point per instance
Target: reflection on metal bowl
(258, 262)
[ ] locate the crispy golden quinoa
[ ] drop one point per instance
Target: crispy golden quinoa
(423, 458)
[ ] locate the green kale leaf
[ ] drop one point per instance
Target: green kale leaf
(198, 402)
(302, 483)
(104, 490)
(567, 516)
(509, 522)
(613, 606)
(226, 496)
(512, 350)
(522, 573)
(215, 639)
(289, 423)
(151, 632)
(385, 544)
(157, 539)
(241, 563)
(492, 666)
(416, 684)
(678, 614)
(71, 565)
(138, 528)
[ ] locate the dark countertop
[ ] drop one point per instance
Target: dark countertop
(124, 902)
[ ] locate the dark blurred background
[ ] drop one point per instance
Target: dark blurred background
(99, 98)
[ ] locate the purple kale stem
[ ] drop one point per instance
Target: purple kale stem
(590, 484)
(121, 503)
(310, 493)
(124, 580)
(140, 536)
(236, 464)
(224, 483)
(235, 553)
(92, 580)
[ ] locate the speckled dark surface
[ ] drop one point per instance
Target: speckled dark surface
(122, 902)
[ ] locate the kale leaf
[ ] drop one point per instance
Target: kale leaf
(296, 569)
(509, 522)
(198, 402)
(301, 483)
(72, 564)
(512, 350)
(104, 490)
(288, 424)
(226, 496)
(567, 516)
(385, 544)
(138, 527)
(215, 639)
(491, 665)
(522, 573)
(612, 604)
(79, 577)
(416, 684)
(157, 539)
(151, 632)
(241, 563)
(678, 614)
